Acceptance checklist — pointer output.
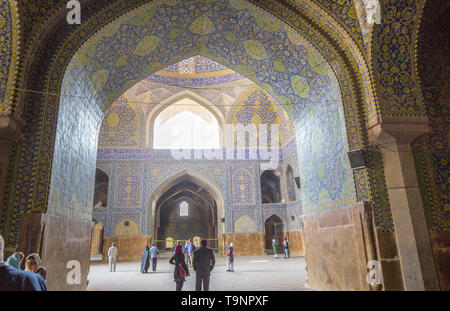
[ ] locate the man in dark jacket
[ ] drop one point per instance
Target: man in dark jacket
(204, 262)
(18, 280)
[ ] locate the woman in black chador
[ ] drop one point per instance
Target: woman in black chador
(181, 270)
(145, 260)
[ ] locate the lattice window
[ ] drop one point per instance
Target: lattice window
(184, 209)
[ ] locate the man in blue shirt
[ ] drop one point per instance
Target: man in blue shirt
(18, 280)
(154, 254)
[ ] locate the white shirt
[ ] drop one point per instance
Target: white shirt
(112, 252)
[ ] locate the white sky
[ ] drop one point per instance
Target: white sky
(186, 125)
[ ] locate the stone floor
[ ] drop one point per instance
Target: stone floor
(263, 273)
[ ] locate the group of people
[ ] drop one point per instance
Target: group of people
(285, 246)
(12, 277)
(201, 259)
(149, 254)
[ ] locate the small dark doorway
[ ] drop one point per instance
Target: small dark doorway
(270, 187)
(274, 229)
(186, 211)
(97, 241)
(290, 184)
(101, 189)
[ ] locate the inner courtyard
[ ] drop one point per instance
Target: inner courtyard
(260, 273)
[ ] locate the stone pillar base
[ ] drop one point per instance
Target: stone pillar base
(297, 243)
(338, 245)
(58, 240)
(245, 244)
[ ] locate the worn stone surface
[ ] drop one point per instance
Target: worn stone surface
(336, 254)
(97, 239)
(246, 244)
(392, 275)
(128, 247)
(389, 260)
(65, 239)
(441, 247)
(30, 233)
(297, 242)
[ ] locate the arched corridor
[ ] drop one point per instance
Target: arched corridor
(183, 212)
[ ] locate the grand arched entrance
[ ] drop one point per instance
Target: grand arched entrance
(324, 89)
(308, 94)
(183, 212)
(303, 94)
(274, 229)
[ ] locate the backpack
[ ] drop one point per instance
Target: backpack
(230, 251)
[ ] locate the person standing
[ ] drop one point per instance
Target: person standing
(12, 279)
(154, 254)
(188, 252)
(286, 248)
(33, 264)
(230, 256)
(112, 256)
(145, 260)
(204, 262)
(274, 247)
(181, 270)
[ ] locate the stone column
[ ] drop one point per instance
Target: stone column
(10, 133)
(394, 136)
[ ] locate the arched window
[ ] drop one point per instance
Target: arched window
(270, 187)
(186, 125)
(290, 183)
(184, 208)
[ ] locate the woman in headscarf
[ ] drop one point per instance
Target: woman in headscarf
(230, 256)
(181, 270)
(275, 249)
(15, 260)
(145, 260)
(33, 264)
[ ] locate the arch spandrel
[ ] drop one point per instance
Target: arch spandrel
(250, 57)
(394, 42)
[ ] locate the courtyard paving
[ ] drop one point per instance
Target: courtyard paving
(253, 273)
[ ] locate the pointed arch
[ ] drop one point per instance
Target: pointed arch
(196, 179)
(205, 103)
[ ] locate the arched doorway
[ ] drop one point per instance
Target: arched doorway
(186, 211)
(270, 187)
(147, 44)
(191, 194)
(101, 188)
(97, 241)
(290, 184)
(274, 228)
